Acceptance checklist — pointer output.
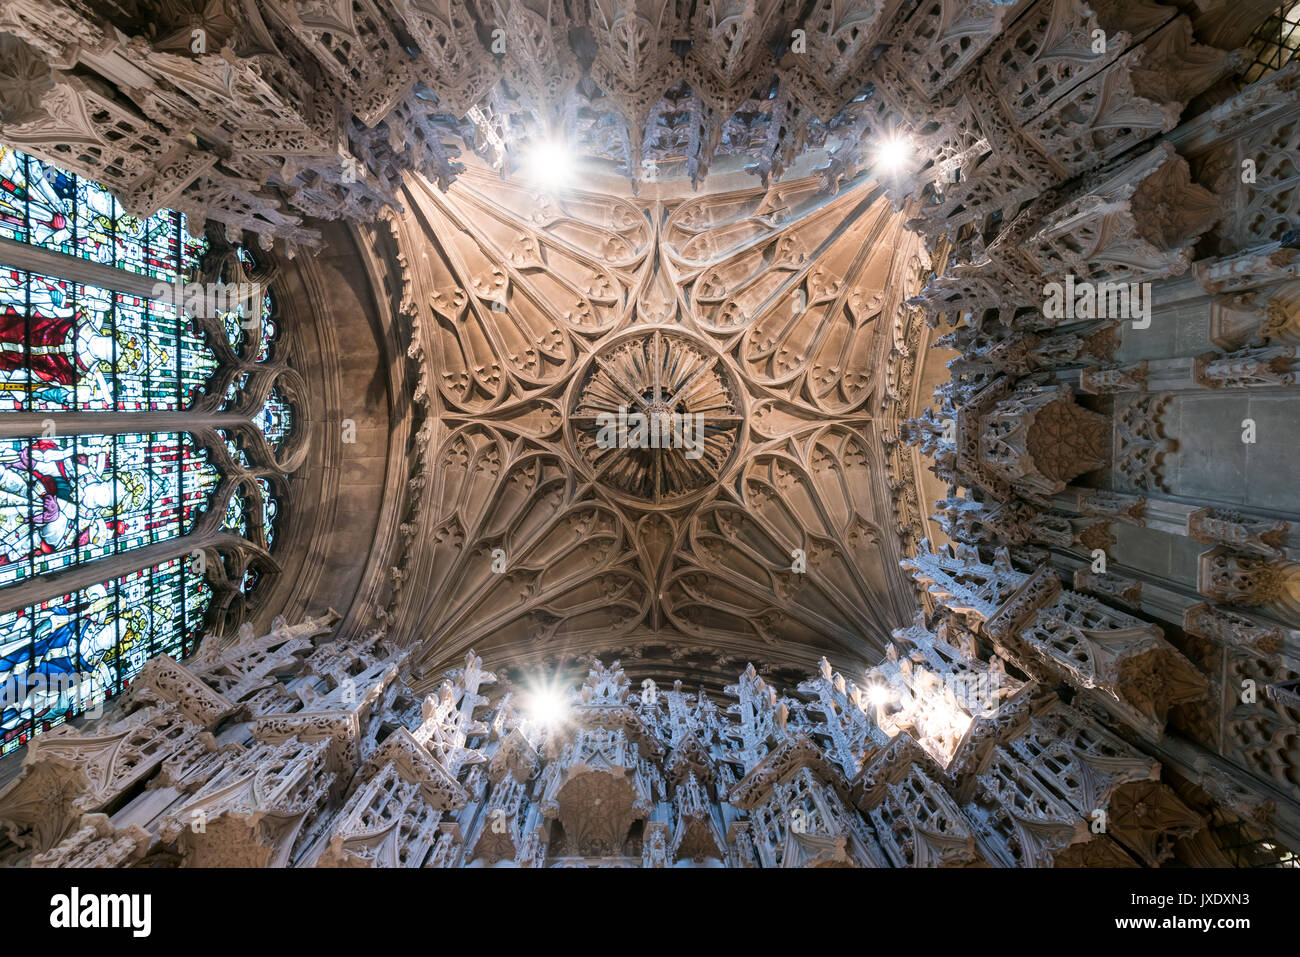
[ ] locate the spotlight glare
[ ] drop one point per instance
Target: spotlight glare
(547, 708)
(549, 164)
(892, 154)
(878, 695)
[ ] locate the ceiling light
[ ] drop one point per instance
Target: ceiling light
(892, 154)
(878, 695)
(547, 708)
(549, 164)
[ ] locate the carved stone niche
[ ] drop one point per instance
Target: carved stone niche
(1218, 624)
(597, 806)
(1148, 819)
(1216, 526)
(1038, 439)
(1273, 366)
(1108, 586)
(1228, 576)
(97, 843)
(1256, 319)
(1096, 380)
(1140, 441)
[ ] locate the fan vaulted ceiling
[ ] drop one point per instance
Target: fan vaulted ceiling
(769, 312)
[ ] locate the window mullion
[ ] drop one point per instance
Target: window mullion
(75, 578)
(49, 262)
(16, 425)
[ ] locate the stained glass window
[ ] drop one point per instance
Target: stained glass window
(232, 447)
(270, 510)
(234, 322)
(79, 501)
(233, 390)
(67, 501)
(55, 209)
(70, 346)
(274, 419)
(15, 380)
(200, 481)
(236, 519)
(269, 330)
(66, 655)
(13, 195)
(52, 218)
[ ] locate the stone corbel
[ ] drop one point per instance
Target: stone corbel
(1246, 368)
(1236, 578)
(1125, 591)
(1229, 628)
(1265, 264)
(1129, 509)
(97, 843)
(1096, 380)
(1214, 526)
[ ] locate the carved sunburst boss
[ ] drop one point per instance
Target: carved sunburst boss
(683, 390)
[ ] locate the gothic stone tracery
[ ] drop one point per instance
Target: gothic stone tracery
(794, 315)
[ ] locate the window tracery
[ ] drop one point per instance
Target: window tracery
(165, 524)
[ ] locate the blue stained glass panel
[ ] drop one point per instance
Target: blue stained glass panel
(275, 419)
(56, 627)
(15, 665)
(89, 645)
(66, 347)
(51, 206)
(96, 611)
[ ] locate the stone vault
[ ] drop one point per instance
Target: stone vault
(774, 314)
